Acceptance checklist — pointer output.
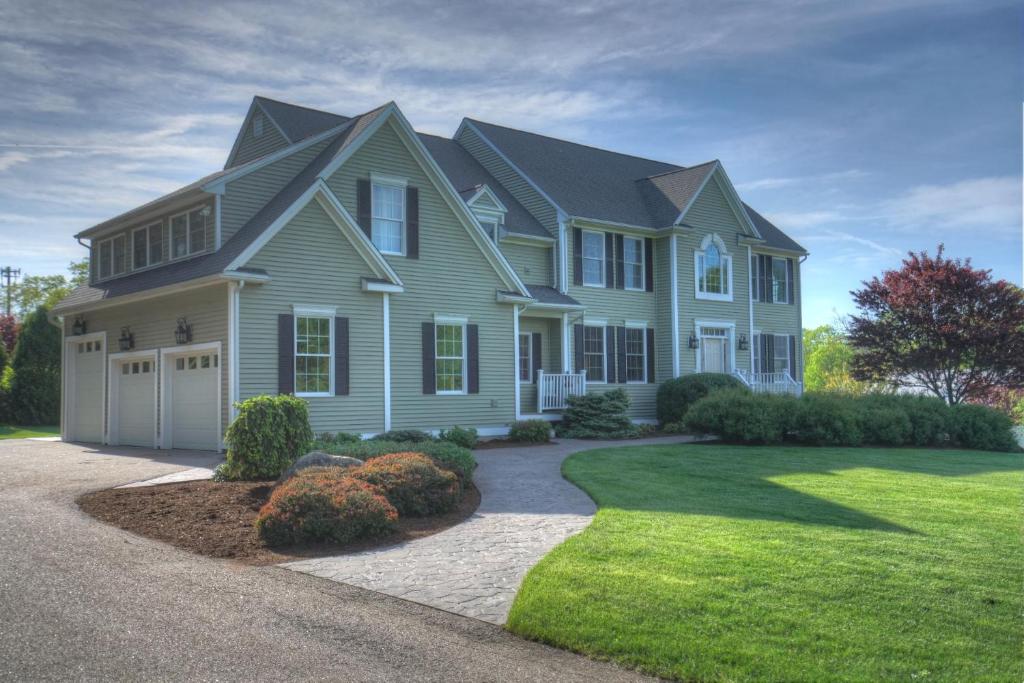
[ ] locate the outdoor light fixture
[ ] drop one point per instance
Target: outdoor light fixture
(742, 344)
(183, 333)
(78, 327)
(127, 340)
(694, 342)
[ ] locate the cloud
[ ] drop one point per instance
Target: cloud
(10, 159)
(824, 178)
(992, 203)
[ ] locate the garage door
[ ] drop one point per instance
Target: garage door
(85, 412)
(195, 412)
(136, 402)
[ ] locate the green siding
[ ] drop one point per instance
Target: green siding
(329, 275)
(532, 264)
(251, 147)
(452, 277)
(783, 318)
(663, 306)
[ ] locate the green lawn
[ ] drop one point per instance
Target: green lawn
(7, 432)
(723, 563)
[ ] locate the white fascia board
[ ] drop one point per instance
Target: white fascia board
(583, 222)
(384, 287)
(242, 276)
(506, 298)
(364, 135)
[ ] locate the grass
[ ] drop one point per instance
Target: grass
(8, 432)
(724, 563)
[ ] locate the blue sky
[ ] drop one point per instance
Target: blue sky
(863, 129)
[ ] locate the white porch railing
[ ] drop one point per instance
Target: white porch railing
(770, 382)
(554, 389)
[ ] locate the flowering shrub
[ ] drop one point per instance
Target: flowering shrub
(411, 482)
(324, 504)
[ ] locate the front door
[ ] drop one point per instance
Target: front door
(713, 354)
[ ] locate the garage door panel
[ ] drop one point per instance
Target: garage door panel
(136, 402)
(195, 411)
(86, 410)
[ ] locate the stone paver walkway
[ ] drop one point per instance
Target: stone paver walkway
(475, 568)
(194, 474)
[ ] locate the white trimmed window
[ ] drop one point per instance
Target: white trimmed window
(780, 281)
(113, 256)
(491, 223)
(713, 270)
(782, 361)
(779, 361)
(633, 260)
(388, 214)
(140, 248)
(450, 357)
(525, 358)
(314, 352)
(636, 354)
(190, 232)
(594, 357)
(106, 258)
(156, 243)
(593, 258)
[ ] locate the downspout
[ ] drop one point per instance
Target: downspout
(674, 271)
(750, 303)
(515, 349)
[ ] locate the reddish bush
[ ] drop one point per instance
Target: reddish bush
(412, 483)
(324, 504)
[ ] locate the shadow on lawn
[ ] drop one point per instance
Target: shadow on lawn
(711, 480)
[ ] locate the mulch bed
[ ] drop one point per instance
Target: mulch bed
(216, 519)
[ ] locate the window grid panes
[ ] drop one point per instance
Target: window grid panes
(312, 355)
(106, 258)
(636, 354)
(388, 217)
(781, 353)
(780, 281)
(593, 258)
(525, 359)
(593, 353)
(140, 248)
(449, 358)
(196, 231)
(156, 244)
(633, 258)
(120, 258)
(179, 236)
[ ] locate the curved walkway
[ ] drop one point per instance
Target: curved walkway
(475, 568)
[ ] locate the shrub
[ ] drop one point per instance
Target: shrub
(460, 436)
(445, 455)
(325, 438)
(826, 420)
(983, 428)
(739, 416)
(675, 396)
(930, 420)
(6, 409)
(323, 504)
(411, 482)
(34, 397)
(404, 436)
(268, 435)
(597, 416)
(530, 431)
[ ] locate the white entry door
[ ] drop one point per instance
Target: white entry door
(136, 402)
(85, 409)
(194, 420)
(714, 350)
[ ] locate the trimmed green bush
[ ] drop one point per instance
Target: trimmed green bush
(412, 483)
(34, 397)
(6, 412)
(675, 396)
(324, 504)
(530, 431)
(826, 420)
(267, 436)
(597, 416)
(460, 436)
(736, 415)
(404, 436)
(983, 428)
(328, 438)
(445, 455)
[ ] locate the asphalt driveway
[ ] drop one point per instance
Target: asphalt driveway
(83, 600)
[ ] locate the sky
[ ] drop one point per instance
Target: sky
(862, 129)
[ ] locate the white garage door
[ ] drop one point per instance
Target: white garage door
(85, 412)
(136, 401)
(195, 413)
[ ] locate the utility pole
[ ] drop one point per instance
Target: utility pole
(9, 274)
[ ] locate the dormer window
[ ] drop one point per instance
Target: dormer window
(189, 232)
(491, 223)
(713, 270)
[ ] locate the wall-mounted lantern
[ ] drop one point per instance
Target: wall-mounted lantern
(694, 342)
(127, 340)
(183, 333)
(78, 327)
(743, 344)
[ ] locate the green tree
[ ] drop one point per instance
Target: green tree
(46, 290)
(827, 361)
(35, 385)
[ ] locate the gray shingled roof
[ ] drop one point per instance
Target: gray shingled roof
(667, 194)
(549, 295)
(298, 123)
(773, 237)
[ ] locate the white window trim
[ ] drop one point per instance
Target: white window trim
(786, 280)
(637, 325)
(188, 234)
(300, 311)
(603, 324)
(490, 216)
(785, 344)
(726, 259)
(583, 259)
(390, 181)
(643, 264)
(730, 341)
(461, 322)
(529, 357)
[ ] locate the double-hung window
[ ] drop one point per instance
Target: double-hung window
(633, 260)
(593, 258)
(388, 215)
(190, 232)
(713, 272)
(450, 357)
(780, 281)
(140, 248)
(594, 357)
(636, 354)
(781, 361)
(314, 352)
(106, 259)
(525, 358)
(156, 243)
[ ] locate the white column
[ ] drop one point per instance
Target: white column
(566, 355)
(386, 304)
(515, 347)
(674, 270)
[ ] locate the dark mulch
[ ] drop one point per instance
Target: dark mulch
(505, 443)
(216, 519)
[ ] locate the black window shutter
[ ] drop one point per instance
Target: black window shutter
(473, 356)
(762, 340)
(363, 201)
(620, 347)
(766, 272)
(577, 256)
(412, 222)
(755, 279)
(609, 355)
(285, 353)
(620, 263)
(429, 381)
(609, 260)
(769, 355)
(792, 356)
(789, 277)
(536, 350)
(649, 264)
(577, 342)
(650, 355)
(341, 355)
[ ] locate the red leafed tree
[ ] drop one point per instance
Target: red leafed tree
(940, 325)
(8, 331)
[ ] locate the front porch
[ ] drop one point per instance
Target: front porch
(770, 382)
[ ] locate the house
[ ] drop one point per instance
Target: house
(403, 280)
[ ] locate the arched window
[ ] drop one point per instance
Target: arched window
(713, 270)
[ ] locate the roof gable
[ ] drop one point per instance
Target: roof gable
(725, 186)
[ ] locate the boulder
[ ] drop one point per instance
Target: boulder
(319, 459)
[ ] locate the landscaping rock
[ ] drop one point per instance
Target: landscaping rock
(319, 459)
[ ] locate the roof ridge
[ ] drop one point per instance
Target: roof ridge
(302, 106)
(578, 144)
(681, 168)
